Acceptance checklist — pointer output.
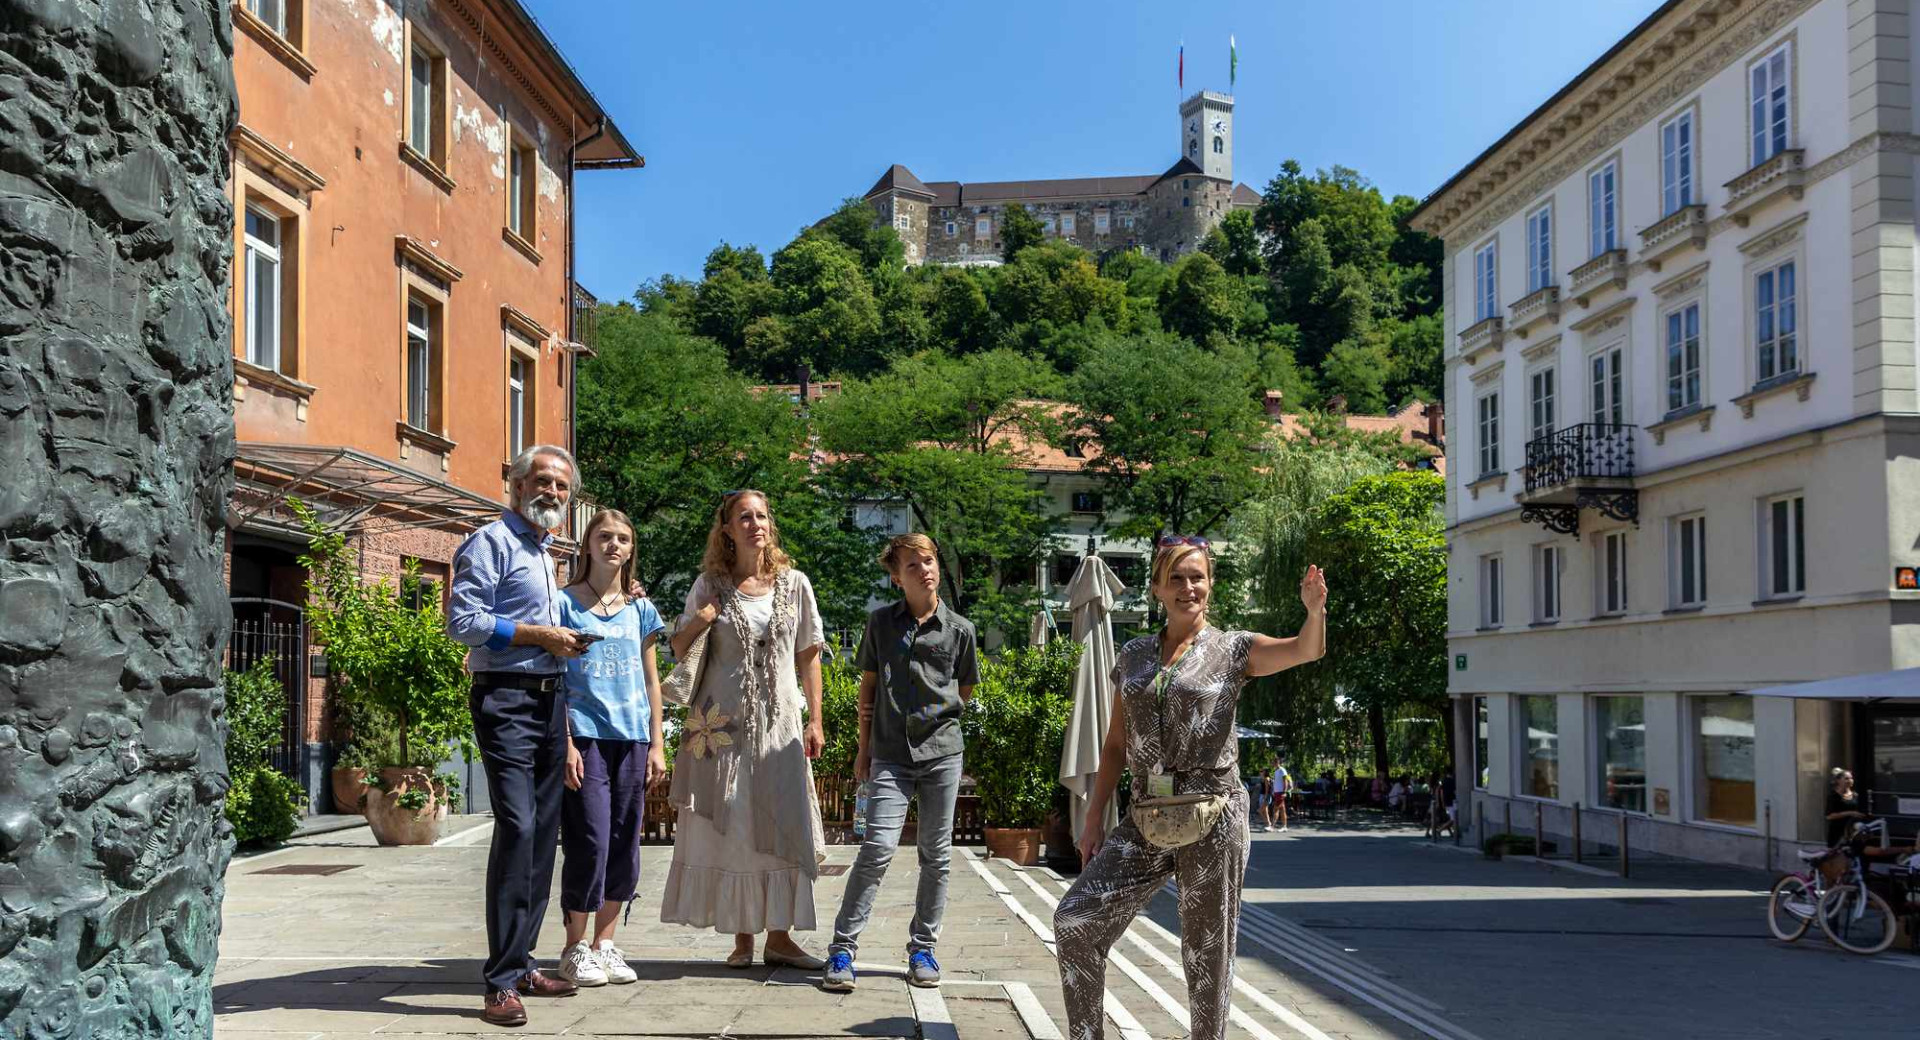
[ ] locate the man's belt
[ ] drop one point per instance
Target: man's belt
(517, 681)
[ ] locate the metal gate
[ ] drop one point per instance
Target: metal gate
(275, 630)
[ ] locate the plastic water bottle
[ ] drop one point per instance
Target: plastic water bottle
(860, 800)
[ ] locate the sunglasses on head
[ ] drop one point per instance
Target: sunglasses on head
(1168, 541)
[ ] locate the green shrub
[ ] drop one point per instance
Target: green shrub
(840, 717)
(262, 803)
(1014, 729)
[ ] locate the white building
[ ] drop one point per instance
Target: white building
(1681, 294)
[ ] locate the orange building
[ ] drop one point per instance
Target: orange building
(405, 314)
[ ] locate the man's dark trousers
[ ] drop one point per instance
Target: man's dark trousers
(523, 745)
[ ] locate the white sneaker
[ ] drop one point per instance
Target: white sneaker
(614, 963)
(581, 966)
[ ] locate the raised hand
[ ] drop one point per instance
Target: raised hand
(1313, 589)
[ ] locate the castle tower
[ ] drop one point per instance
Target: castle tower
(1206, 133)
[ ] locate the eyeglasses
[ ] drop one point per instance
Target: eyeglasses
(1168, 541)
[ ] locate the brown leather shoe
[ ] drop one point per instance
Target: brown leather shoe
(535, 984)
(504, 1009)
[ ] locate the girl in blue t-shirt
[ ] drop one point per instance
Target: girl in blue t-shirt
(614, 748)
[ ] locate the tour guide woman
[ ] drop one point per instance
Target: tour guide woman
(1175, 697)
(748, 844)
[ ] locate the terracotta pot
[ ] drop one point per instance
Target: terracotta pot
(1020, 845)
(393, 825)
(348, 786)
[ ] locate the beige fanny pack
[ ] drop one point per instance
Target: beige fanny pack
(1177, 820)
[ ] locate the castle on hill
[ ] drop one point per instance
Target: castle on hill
(1162, 215)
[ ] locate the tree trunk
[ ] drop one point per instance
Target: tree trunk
(116, 449)
(1377, 731)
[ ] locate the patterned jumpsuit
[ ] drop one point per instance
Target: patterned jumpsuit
(1201, 702)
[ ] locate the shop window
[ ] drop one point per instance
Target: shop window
(1723, 766)
(1540, 746)
(1620, 728)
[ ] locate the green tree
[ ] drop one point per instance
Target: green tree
(1382, 543)
(832, 319)
(1170, 430)
(1198, 300)
(876, 245)
(665, 428)
(1018, 230)
(1235, 243)
(937, 434)
(962, 321)
(1357, 370)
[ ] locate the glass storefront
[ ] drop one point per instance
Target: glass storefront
(1620, 724)
(1723, 760)
(1540, 757)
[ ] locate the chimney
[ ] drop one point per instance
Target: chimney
(1273, 404)
(1437, 424)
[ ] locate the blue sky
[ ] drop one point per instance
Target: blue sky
(757, 116)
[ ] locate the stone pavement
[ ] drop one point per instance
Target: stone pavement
(391, 946)
(1350, 932)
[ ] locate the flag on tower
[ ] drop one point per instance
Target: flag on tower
(1233, 61)
(1180, 70)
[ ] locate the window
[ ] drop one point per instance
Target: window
(1540, 249)
(1046, 224)
(1676, 163)
(522, 193)
(1492, 593)
(1484, 289)
(1062, 571)
(1193, 146)
(903, 222)
(426, 107)
(1775, 323)
(1620, 729)
(952, 229)
(1547, 563)
(1481, 772)
(423, 352)
(272, 12)
(1127, 222)
(1541, 742)
(1783, 541)
(1131, 570)
(1184, 184)
(519, 417)
(1489, 425)
(1683, 358)
(1613, 573)
(1540, 401)
(1102, 223)
(1608, 388)
(1770, 96)
(1723, 760)
(1687, 537)
(1185, 202)
(983, 227)
(1600, 210)
(263, 304)
(1219, 145)
(1088, 502)
(1068, 224)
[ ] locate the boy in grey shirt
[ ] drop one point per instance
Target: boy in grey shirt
(917, 671)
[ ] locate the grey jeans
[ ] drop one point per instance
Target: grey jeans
(936, 783)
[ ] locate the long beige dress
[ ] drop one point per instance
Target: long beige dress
(748, 843)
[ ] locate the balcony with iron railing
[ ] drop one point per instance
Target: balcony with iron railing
(1581, 466)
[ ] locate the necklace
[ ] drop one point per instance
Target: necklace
(600, 597)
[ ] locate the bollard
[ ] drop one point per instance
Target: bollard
(1576, 832)
(1539, 832)
(1623, 844)
(1768, 835)
(1508, 805)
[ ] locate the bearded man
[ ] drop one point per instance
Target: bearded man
(504, 606)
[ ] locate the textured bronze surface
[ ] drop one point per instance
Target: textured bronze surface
(116, 436)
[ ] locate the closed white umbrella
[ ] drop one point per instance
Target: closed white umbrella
(1040, 633)
(1090, 595)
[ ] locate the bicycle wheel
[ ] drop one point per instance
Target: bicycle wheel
(1790, 908)
(1856, 924)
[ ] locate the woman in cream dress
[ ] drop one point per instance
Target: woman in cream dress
(748, 844)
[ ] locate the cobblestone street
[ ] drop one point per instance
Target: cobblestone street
(1347, 933)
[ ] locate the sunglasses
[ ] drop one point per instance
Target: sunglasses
(1168, 541)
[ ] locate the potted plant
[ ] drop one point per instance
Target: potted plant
(400, 680)
(1014, 729)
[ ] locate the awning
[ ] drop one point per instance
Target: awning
(1899, 685)
(348, 490)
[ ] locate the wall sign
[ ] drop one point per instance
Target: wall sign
(1459, 662)
(1906, 578)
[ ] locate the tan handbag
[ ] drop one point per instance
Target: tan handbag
(1177, 820)
(678, 686)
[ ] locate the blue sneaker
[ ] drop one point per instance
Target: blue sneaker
(839, 976)
(923, 970)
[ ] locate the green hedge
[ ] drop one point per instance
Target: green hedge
(1014, 730)
(262, 803)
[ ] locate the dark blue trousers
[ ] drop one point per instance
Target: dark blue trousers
(600, 825)
(523, 746)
